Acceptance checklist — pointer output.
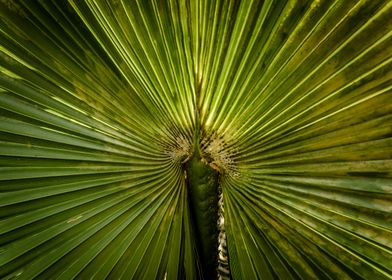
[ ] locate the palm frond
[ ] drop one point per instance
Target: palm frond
(99, 105)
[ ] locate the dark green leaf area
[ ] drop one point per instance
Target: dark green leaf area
(203, 195)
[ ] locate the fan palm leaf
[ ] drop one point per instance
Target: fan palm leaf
(102, 104)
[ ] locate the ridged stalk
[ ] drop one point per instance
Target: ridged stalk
(203, 184)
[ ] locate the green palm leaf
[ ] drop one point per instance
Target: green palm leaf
(101, 103)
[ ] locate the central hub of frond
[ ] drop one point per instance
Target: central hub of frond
(206, 159)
